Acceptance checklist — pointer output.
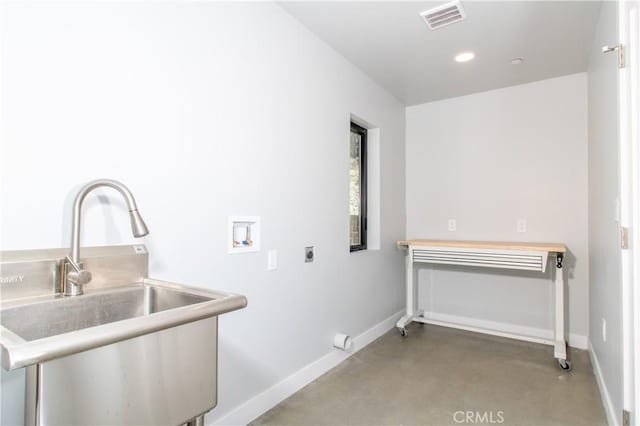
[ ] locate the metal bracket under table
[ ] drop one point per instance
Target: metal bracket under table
(517, 256)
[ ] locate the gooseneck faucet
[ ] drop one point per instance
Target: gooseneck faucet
(73, 275)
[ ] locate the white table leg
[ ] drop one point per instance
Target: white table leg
(412, 296)
(560, 344)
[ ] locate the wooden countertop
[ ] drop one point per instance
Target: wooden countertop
(499, 245)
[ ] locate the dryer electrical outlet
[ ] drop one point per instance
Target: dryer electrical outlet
(308, 254)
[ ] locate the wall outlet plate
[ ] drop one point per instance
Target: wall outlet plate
(521, 225)
(451, 225)
(308, 254)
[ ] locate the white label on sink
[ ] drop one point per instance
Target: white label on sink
(140, 249)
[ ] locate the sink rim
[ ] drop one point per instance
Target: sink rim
(17, 352)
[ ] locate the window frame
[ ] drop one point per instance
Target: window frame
(355, 128)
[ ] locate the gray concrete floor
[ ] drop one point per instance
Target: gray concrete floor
(435, 373)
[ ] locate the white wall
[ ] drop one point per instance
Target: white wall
(490, 159)
(205, 110)
(605, 291)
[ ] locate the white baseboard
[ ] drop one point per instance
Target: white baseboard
(512, 331)
(612, 418)
(266, 400)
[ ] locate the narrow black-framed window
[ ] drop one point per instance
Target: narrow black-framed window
(358, 188)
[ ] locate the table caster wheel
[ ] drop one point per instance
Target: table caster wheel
(564, 364)
(403, 332)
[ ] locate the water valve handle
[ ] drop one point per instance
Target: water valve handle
(79, 278)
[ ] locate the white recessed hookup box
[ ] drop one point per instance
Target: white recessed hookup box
(244, 234)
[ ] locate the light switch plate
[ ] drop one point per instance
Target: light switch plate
(272, 260)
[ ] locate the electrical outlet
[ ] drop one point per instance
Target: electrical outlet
(451, 224)
(522, 225)
(604, 330)
(272, 260)
(308, 254)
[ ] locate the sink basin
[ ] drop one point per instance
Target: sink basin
(41, 329)
(67, 314)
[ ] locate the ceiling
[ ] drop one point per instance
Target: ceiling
(389, 42)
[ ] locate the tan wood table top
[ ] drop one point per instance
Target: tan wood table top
(499, 245)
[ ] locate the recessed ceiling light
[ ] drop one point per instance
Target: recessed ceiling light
(517, 61)
(465, 56)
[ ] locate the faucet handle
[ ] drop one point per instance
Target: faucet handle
(73, 277)
(79, 278)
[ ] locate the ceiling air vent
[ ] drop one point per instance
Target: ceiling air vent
(443, 15)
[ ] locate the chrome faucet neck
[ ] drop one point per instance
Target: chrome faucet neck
(74, 278)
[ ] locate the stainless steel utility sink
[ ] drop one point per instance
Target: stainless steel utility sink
(129, 351)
